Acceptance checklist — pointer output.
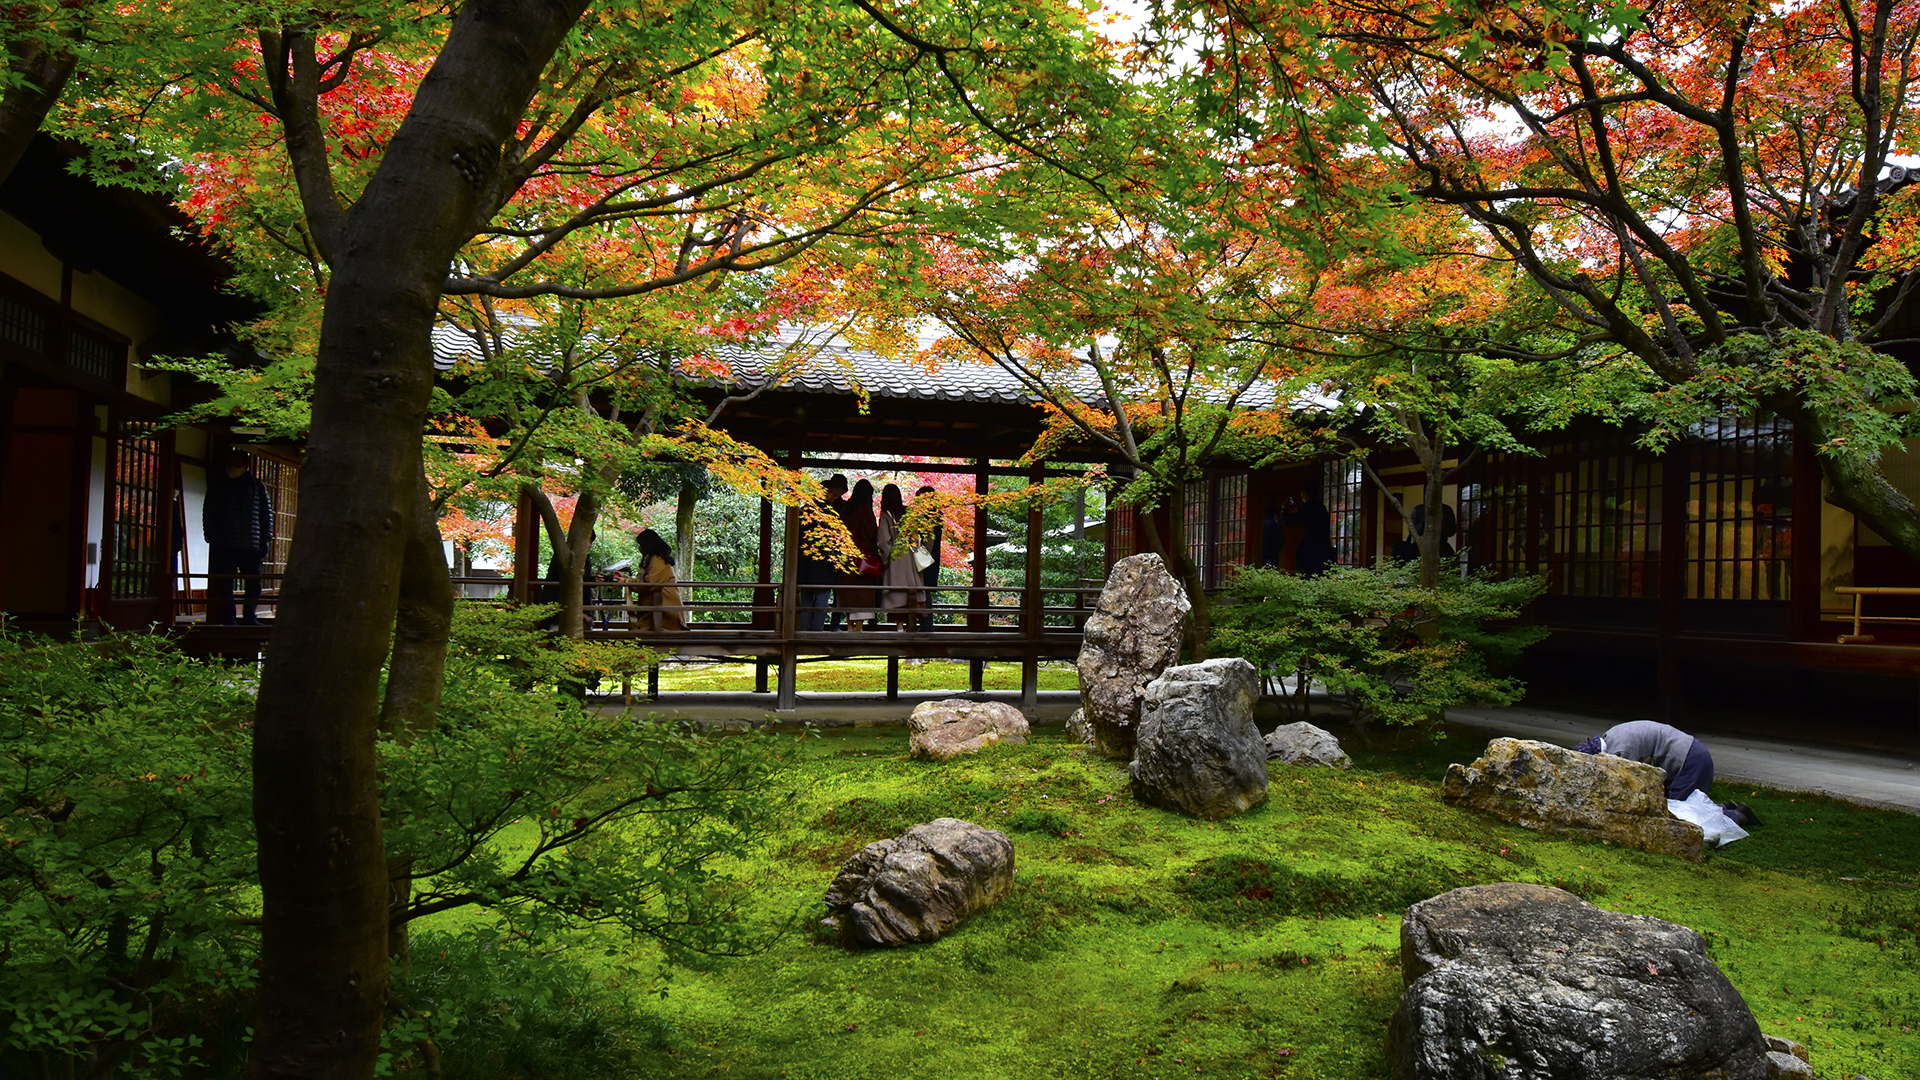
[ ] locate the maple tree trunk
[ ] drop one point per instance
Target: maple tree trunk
(415, 674)
(323, 871)
(578, 553)
(683, 530)
(43, 73)
(1200, 624)
(1859, 487)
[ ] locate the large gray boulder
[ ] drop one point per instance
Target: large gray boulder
(1525, 982)
(1198, 750)
(940, 730)
(1305, 744)
(920, 884)
(1132, 636)
(1538, 785)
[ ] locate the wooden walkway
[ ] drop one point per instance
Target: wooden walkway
(753, 631)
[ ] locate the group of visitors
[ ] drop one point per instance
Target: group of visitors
(891, 577)
(1314, 551)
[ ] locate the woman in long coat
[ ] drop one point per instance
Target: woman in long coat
(856, 592)
(900, 581)
(661, 590)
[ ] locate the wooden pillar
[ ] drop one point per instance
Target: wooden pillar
(526, 548)
(1803, 534)
(1032, 617)
(653, 682)
(1669, 674)
(893, 678)
(977, 598)
(764, 598)
(787, 698)
(760, 675)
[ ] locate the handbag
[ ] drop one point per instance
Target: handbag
(868, 566)
(922, 558)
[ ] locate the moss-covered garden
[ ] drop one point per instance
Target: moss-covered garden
(1140, 943)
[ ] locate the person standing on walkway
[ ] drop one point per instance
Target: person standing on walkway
(930, 577)
(900, 580)
(659, 590)
(858, 591)
(816, 569)
(237, 520)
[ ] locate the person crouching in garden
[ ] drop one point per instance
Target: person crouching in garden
(1685, 760)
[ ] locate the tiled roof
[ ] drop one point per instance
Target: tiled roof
(820, 364)
(834, 367)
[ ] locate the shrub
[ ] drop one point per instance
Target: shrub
(128, 897)
(126, 850)
(1397, 653)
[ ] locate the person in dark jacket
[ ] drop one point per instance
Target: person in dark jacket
(237, 520)
(1315, 552)
(816, 572)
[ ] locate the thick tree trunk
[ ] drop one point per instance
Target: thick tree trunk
(43, 73)
(683, 530)
(1200, 624)
(1859, 488)
(415, 675)
(579, 552)
(323, 872)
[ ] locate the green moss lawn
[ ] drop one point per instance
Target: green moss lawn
(1138, 943)
(847, 676)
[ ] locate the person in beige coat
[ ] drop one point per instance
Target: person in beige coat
(900, 582)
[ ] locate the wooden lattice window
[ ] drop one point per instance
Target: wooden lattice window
(1341, 483)
(1194, 520)
(138, 529)
(1120, 526)
(1229, 527)
(97, 357)
(1600, 518)
(1495, 517)
(283, 487)
(1739, 511)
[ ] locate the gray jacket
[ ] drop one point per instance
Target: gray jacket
(1660, 745)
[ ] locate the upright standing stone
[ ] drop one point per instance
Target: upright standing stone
(1133, 635)
(1199, 751)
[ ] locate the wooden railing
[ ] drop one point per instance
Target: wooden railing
(1859, 594)
(997, 624)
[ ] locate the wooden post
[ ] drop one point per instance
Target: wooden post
(653, 682)
(976, 675)
(977, 621)
(893, 678)
(1669, 678)
(526, 548)
(760, 675)
(1033, 614)
(764, 598)
(787, 697)
(1803, 536)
